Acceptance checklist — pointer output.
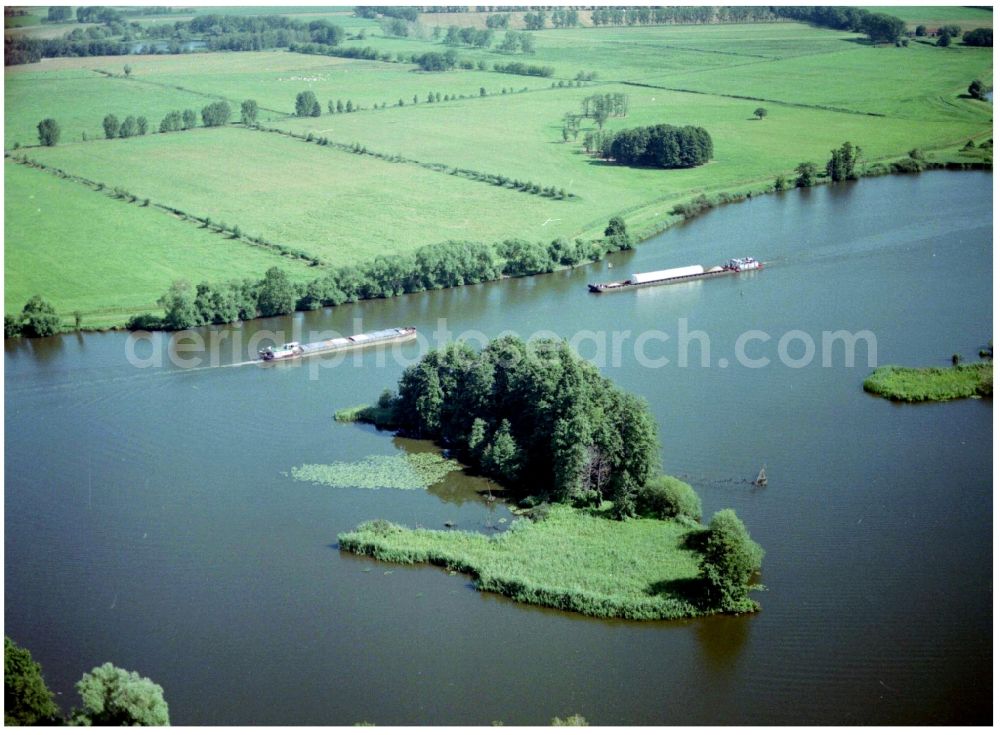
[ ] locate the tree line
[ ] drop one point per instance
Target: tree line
(530, 70)
(681, 14)
(434, 266)
(219, 32)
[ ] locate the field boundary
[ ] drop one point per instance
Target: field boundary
(164, 85)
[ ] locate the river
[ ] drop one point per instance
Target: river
(150, 519)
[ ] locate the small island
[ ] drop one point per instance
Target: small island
(931, 383)
(603, 532)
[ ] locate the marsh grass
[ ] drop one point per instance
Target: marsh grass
(403, 472)
(576, 560)
(931, 383)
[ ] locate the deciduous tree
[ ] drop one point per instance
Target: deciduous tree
(48, 132)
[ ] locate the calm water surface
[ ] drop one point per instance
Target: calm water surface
(150, 519)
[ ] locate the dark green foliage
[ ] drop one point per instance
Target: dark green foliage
(979, 37)
(528, 70)
(617, 234)
(730, 558)
(806, 174)
(533, 412)
(276, 295)
(433, 61)
(128, 128)
(39, 318)
(178, 303)
(535, 21)
(116, 697)
(215, 114)
(663, 146)
(172, 122)
(977, 90)
(11, 326)
(27, 700)
(48, 132)
(920, 31)
(667, 497)
(188, 119)
(305, 102)
(944, 40)
(248, 112)
(145, 322)
(841, 166)
(111, 126)
(59, 13)
(498, 20)
(142, 124)
(883, 28)
(760, 113)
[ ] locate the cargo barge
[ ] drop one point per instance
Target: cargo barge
(292, 350)
(678, 275)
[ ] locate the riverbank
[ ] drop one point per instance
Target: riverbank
(931, 383)
(568, 559)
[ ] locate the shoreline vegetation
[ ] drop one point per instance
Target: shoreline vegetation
(912, 385)
(680, 213)
(605, 533)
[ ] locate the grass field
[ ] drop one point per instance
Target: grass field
(341, 207)
(79, 99)
(820, 88)
(275, 78)
(83, 250)
(572, 560)
(938, 15)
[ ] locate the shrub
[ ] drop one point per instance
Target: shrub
(729, 561)
(11, 326)
(38, 318)
(147, 322)
(667, 497)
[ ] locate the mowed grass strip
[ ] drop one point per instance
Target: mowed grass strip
(83, 250)
(571, 560)
(341, 207)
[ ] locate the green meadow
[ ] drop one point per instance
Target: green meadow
(86, 251)
(273, 78)
(933, 16)
(819, 87)
(340, 207)
(79, 99)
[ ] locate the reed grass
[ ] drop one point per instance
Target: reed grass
(931, 383)
(572, 559)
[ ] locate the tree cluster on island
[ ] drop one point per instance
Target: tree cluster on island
(545, 423)
(111, 696)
